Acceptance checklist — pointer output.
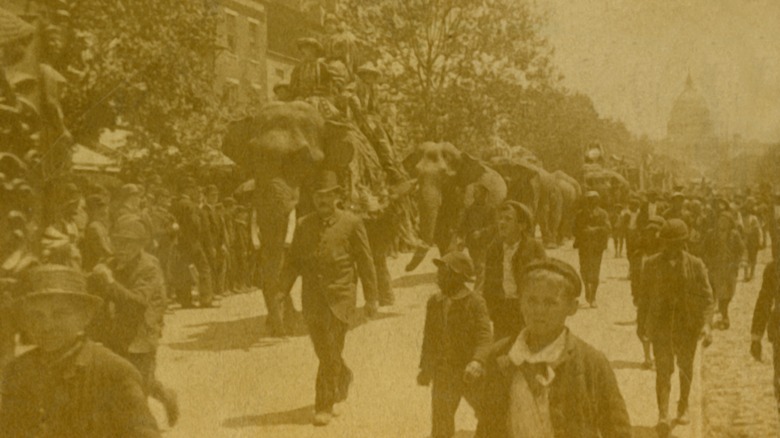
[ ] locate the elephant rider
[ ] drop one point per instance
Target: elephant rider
(505, 258)
(329, 250)
(591, 233)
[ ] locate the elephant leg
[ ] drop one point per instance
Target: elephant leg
(278, 305)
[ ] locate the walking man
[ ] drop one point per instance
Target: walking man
(680, 307)
(591, 234)
(766, 318)
(329, 250)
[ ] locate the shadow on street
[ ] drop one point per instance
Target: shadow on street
(626, 365)
(414, 280)
(246, 333)
(299, 416)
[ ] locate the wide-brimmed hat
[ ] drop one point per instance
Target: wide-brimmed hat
(678, 195)
(457, 262)
(327, 181)
(310, 42)
(523, 212)
(590, 194)
(50, 280)
(559, 267)
(674, 230)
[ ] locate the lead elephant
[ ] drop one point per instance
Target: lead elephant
(283, 147)
(445, 179)
(612, 187)
(538, 189)
(571, 193)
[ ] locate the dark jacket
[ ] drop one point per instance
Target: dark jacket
(528, 250)
(766, 315)
(88, 392)
(591, 229)
(330, 255)
(193, 229)
(96, 245)
(139, 298)
(457, 328)
(585, 400)
(679, 299)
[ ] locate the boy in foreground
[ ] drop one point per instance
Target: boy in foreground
(69, 387)
(546, 382)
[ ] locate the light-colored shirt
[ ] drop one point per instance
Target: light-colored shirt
(529, 413)
(509, 283)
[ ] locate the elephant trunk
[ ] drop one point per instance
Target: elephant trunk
(429, 203)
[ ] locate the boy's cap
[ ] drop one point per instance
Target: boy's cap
(457, 262)
(559, 267)
(674, 230)
(130, 226)
(521, 210)
(655, 222)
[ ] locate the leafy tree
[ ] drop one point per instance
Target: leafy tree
(146, 65)
(452, 60)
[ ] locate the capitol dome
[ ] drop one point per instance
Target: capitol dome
(690, 121)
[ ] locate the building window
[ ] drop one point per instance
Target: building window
(254, 35)
(231, 21)
(231, 91)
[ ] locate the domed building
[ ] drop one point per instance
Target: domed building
(690, 131)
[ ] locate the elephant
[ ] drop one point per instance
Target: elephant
(446, 178)
(283, 147)
(538, 189)
(571, 193)
(612, 187)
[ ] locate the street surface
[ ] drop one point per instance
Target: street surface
(233, 381)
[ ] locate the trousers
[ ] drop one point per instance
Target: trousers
(683, 349)
(447, 391)
(333, 376)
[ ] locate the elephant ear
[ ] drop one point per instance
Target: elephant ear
(235, 145)
(470, 170)
(339, 150)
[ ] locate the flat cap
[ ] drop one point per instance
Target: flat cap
(130, 226)
(560, 267)
(522, 211)
(51, 280)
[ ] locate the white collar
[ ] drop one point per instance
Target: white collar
(520, 353)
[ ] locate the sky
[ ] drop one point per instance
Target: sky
(632, 58)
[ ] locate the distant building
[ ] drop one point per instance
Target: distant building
(690, 130)
(241, 63)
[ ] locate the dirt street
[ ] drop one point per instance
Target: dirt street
(233, 381)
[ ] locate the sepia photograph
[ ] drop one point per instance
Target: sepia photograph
(389, 218)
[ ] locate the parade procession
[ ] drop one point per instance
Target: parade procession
(389, 218)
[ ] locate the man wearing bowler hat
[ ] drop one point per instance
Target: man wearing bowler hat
(679, 313)
(329, 250)
(69, 387)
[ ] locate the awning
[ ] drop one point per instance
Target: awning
(87, 160)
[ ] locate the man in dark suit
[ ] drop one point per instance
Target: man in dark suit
(329, 250)
(679, 313)
(217, 253)
(591, 233)
(766, 318)
(193, 265)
